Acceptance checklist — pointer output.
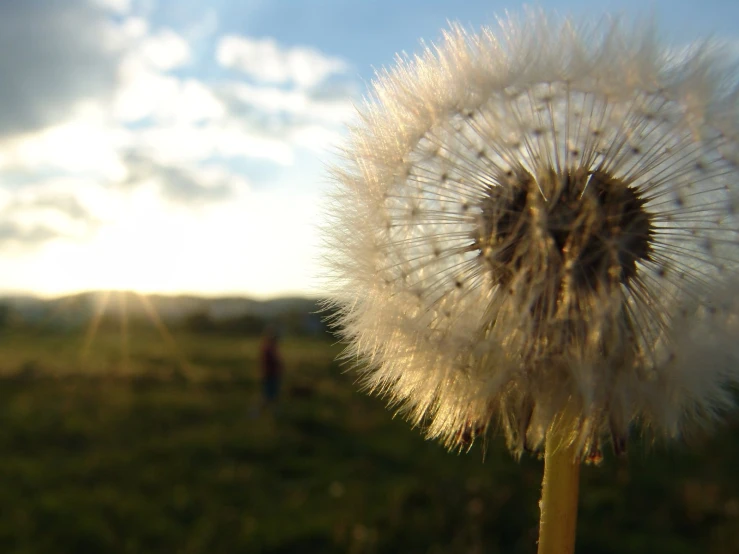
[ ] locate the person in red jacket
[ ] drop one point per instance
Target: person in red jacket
(271, 368)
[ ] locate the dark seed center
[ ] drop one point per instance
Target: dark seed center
(586, 230)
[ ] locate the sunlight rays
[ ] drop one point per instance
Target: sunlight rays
(166, 335)
(103, 307)
(125, 354)
(92, 328)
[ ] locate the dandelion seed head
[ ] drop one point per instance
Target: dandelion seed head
(536, 227)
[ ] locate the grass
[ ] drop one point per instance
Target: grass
(160, 450)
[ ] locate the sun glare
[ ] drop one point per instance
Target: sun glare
(117, 301)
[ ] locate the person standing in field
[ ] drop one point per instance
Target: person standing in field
(271, 368)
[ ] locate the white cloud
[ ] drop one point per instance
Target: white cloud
(134, 28)
(265, 60)
(147, 90)
(298, 102)
(177, 144)
(41, 214)
(84, 144)
(39, 223)
(119, 7)
(143, 93)
(315, 137)
(195, 102)
(165, 50)
(150, 94)
(187, 184)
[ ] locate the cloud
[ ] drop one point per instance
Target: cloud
(315, 137)
(64, 204)
(13, 234)
(165, 50)
(37, 217)
(147, 89)
(307, 119)
(149, 94)
(179, 184)
(335, 109)
(267, 61)
(71, 55)
(121, 85)
(85, 144)
(119, 7)
(111, 120)
(228, 138)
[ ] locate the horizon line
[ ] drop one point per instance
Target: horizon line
(308, 295)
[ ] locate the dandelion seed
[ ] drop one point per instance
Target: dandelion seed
(535, 229)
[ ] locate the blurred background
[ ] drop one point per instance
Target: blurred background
(162, 168)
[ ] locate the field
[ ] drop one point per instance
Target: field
(154, 443)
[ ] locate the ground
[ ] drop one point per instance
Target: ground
(158, 446)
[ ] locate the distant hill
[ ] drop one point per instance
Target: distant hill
(298, 313)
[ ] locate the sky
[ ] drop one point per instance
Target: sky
(180, 146)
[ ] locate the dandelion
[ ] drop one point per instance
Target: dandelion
(535, 230)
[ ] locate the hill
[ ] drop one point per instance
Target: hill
(297, 315)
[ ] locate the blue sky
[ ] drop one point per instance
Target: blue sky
(179, 146)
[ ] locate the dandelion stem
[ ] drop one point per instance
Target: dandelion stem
(559, 497)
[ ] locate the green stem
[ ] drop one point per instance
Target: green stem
(559, 497)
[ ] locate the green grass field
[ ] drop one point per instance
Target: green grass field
(153, 445)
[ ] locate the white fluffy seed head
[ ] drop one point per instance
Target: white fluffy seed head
(536, 227)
